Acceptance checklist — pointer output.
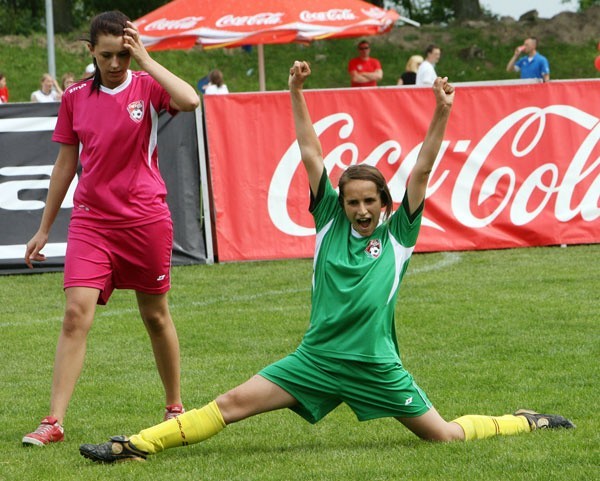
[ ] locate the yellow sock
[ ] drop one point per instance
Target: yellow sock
(481, 427)
(188, 428)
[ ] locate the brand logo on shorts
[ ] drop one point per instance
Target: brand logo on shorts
(161, 278)
(136, 110)
(374, 248)
(408, 401)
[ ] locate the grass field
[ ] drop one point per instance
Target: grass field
(482, 332)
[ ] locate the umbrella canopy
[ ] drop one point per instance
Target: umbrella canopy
(182, 24)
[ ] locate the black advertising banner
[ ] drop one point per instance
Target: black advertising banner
(27, 155)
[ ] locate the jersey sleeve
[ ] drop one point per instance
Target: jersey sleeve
(326, 204)
(352, 65)
(160, 98)
(405, 227)
(545, 66)
(63, 132)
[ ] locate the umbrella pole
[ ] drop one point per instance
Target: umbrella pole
(261, 68)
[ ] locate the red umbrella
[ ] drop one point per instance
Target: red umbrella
(182, 24)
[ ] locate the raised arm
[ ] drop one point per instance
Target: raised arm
(183, 95)
(310, 147)
(510, 66)
(417, 182)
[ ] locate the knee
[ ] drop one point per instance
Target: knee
(443, 434)
(77, 320)
(157, 322)
(231, 406)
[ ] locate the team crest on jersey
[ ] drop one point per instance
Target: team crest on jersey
(136, 110)
(373, 248)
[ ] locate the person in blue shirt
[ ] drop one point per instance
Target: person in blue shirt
(532, 64)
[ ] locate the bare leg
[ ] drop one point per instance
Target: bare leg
(154, 310)
(432, 427)
(70, 351)
(255, 396)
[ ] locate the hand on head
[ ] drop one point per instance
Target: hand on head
(444, 91)
(133, 42)
(298, 74)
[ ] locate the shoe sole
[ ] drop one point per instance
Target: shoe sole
(27, 441)
(529, 411)
(95, 459)
(524, 411)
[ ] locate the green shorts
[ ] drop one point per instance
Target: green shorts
(320, 384)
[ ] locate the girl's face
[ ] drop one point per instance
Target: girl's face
(362, 205)
(46, 85)
(112, 59)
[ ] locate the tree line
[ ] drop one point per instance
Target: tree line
(23, 17)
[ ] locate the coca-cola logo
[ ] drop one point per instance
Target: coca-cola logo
(374, 12)
(331, 15)
(473, 184)
(263, 18)
(184, 23)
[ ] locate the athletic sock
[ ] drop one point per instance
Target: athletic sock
(188, 428)
(481, 427)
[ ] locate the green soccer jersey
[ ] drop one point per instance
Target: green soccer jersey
(356, 281)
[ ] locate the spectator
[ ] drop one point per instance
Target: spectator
(49, 90)
(426, 74)
(68, 79)
(90, 68)
(215, 84)
(3, 89)
(364, 70)
(409, 77)
(532, 64)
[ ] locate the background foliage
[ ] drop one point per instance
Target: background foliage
(22, 17)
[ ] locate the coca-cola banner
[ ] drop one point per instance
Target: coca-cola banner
(519, 164)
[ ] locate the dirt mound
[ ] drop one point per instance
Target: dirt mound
(566, 27)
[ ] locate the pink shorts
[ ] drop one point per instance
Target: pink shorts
(137, 258)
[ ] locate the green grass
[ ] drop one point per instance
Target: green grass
(482, 332)
(24, 59)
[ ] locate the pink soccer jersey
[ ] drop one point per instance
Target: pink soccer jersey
(120, 184)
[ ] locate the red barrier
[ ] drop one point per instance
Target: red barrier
(519, 166)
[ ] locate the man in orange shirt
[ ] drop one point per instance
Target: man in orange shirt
(364, 70)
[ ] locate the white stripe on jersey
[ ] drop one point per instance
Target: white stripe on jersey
(153, 141)
(401, 256)
(318, 240)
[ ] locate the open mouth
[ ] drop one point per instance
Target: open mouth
(363, 223)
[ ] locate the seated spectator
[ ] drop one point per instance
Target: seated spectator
(49, 90)
(215, 84)
(3, 89)
(409, 77)
(68, 79)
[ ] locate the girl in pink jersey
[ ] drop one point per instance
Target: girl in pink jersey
(120, 235)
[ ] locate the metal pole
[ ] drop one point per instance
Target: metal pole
(261, 67)
(50, 39)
